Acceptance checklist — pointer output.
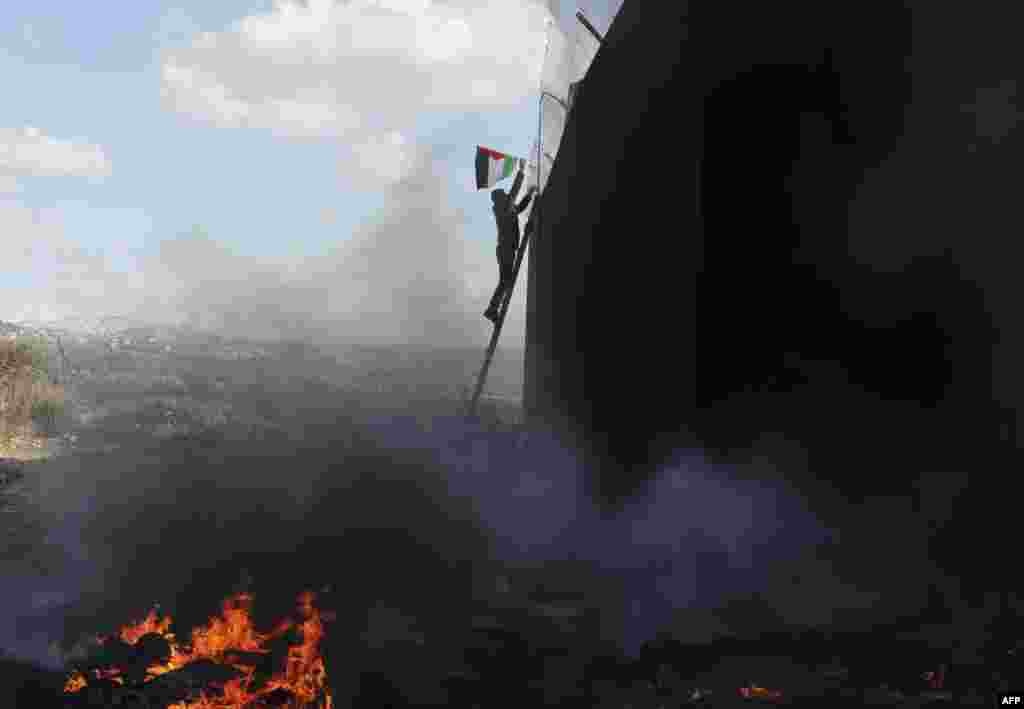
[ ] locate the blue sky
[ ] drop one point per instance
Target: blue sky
(265, 191)
(96, 75)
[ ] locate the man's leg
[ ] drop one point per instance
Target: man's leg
(492, 310)
(506, 268)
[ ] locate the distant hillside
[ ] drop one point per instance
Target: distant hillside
(9, 329)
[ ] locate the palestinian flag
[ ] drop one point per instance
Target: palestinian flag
(492, 167)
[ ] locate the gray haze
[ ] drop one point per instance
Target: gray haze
(408, 275)
(401, 278)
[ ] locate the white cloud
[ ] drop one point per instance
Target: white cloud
(362, 71)
(28, 151)
(380, 160)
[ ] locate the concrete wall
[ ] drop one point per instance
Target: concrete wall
(843, 277)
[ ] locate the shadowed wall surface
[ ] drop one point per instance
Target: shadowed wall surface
(786, 223)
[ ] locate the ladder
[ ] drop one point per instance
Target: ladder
(489, 355)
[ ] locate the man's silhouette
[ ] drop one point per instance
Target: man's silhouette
(506, 215)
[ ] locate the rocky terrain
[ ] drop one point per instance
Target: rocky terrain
(163, 382)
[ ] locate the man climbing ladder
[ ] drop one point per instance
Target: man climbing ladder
(510, 260)
(506, 216)
(492, 167)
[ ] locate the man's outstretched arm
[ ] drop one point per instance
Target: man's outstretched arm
(516, 186)
(521, 207)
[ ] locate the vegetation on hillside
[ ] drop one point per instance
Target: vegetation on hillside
(28, 395)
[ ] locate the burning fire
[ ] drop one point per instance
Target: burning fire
(754, 691)
(232, 641)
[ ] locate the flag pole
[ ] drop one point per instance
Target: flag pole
(589, 27)
(507, 299)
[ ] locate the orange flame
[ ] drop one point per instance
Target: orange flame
(304, 675)
(74, 683)
(150, 624)
(756, 692)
